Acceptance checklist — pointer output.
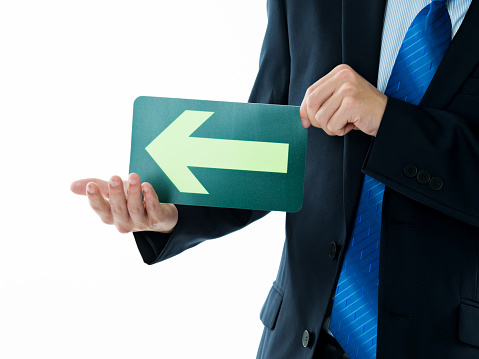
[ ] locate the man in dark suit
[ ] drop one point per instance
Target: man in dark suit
(426, 155)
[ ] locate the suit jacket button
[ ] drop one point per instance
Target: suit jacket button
(436, 183)
(305, 339)
(333, 250)
(423, 177)
(410, 170)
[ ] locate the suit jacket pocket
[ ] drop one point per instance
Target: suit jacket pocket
(468, 330)
(269, 312)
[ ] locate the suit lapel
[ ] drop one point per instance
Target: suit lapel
(362, 23)
(460, 59)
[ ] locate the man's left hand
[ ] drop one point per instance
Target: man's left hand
(342, 101)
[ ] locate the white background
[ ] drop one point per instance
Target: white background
(70, 286)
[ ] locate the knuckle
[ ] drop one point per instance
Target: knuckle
(309, 100)
(332, 129)
(155, 223)
(319, 116)
(152, 206)
(309, 91)
(302, 108)
(140, 227)
(327, 130)
(116, 209)
(122, 228)
(359, 122)
(95, 207)
(347, 88)
(346, 74)
(349, 102)
(314, 121)
(106, 220)
(343, 67)
(136, 209)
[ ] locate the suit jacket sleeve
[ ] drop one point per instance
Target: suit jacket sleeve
(197, 224)
(443, 142)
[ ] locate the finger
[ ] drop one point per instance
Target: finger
(318, 102)
(79, 186)
(162, 217)
(305, 122)
(98, 203)
(303, 110)
(309, 105)
(152, 203)
(136, 208)
(119, 210)
(343, 120)
(303, 114)
(325, 115)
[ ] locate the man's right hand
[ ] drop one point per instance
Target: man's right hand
(120, 203)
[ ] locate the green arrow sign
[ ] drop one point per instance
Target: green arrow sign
(210, 153)
(220, 154)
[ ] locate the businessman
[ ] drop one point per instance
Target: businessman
(382, 261)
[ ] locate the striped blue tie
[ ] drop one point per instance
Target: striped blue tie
(354, 315)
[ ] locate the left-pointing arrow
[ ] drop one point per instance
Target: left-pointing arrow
(174, 150)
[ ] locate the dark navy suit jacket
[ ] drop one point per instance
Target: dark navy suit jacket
(429, 262)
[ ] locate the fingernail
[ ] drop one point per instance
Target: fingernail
(145, 188)
(304, 123)
(91, 189)
(114, 183)
(133, 180)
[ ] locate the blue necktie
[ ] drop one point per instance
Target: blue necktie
(354, 315)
